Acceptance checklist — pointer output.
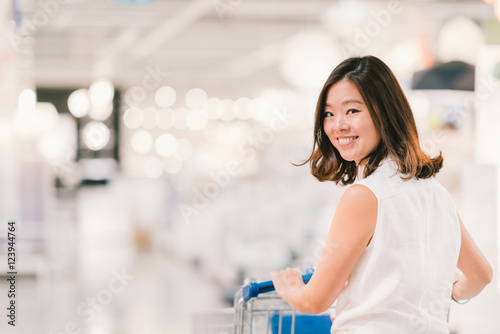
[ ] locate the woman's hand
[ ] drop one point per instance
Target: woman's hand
(287, 281)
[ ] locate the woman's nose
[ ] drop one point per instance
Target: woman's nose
(340, 123)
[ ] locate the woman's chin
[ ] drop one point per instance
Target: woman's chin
(348, 158)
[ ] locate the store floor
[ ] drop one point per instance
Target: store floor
(93, 279)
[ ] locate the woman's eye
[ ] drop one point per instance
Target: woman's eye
(328, 114)
(352, 111)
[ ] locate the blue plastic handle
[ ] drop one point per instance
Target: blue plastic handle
(253, 289)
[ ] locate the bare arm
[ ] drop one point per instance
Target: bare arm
(351, 230)
(476, 271)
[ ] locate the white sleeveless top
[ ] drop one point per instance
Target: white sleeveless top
(402, 282)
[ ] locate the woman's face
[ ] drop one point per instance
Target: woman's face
(348, 123)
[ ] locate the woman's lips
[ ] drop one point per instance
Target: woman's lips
(345, 141)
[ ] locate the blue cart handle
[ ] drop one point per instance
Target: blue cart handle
(253, 289)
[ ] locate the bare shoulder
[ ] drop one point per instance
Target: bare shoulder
(359, 194)
(357, 207)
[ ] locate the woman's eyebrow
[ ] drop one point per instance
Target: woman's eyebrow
(352, 101)
(345, 102)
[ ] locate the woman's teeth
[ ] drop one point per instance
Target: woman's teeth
(346, 140)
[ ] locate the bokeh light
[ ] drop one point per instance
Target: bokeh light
(96, 135)
(133, 117)
(141, 142)
(459, 39)
(58, 145)
(181, 115)
(165, 96)
(27, 101)
(210, 106)
(31, 118)
(101, 93)
(166, 144)
(101, 113)
(172, 165)
(79, 103)
(197, 119)
(195, 98)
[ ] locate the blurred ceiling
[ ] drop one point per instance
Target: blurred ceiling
(198, 42)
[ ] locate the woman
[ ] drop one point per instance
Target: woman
(395, 241)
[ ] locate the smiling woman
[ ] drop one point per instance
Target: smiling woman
(386, 114)
(397, 252)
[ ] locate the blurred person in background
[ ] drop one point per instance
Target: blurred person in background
(396, 240)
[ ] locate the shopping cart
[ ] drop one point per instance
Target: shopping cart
(258, 310)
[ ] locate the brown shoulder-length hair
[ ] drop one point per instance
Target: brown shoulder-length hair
(393, 119)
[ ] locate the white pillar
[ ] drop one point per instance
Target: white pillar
(487, 92)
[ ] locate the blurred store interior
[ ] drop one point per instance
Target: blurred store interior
(147, 146)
